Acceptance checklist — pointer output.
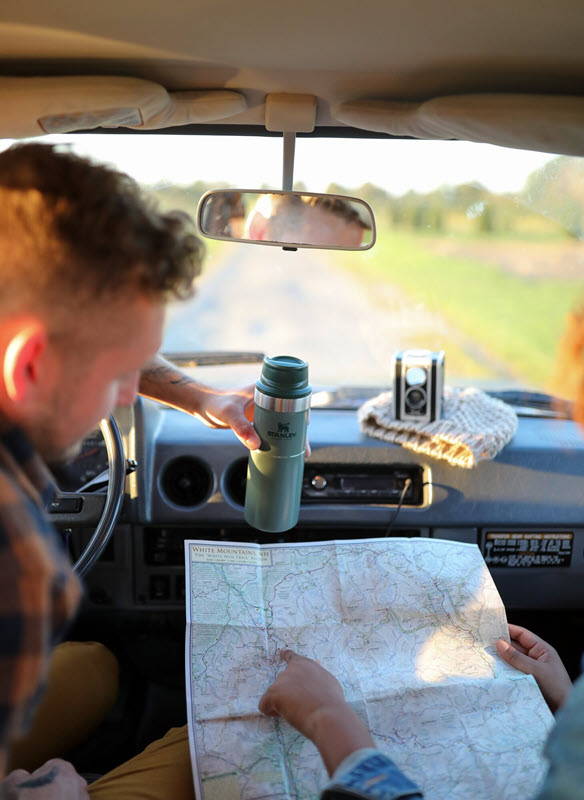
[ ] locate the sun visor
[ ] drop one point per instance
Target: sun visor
(546, 123)
(34, 106)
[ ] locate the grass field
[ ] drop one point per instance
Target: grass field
(516, 320)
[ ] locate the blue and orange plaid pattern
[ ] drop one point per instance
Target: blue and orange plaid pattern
(38, 590)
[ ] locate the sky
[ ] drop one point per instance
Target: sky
(250, 162)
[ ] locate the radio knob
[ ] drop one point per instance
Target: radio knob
(319, 482)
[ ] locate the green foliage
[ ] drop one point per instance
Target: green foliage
(487, 220)
(466, 209)
(516, 321)
(337, 188)
(557, 191)
(552, 204)
(183, 198)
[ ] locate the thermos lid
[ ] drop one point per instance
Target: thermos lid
(284, 376)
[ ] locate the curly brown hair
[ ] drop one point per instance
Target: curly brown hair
(339, 206)
(72, 231)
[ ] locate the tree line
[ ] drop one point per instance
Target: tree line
(550, 204)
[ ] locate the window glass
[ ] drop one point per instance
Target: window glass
(479, 253)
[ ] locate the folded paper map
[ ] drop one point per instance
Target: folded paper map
(407, 626)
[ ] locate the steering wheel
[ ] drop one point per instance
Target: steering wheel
(96, 510)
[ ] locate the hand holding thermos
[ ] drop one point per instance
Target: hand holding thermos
(275, 470)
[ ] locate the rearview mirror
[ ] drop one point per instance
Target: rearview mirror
(287, 219)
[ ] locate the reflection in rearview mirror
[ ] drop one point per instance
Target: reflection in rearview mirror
(289, 219)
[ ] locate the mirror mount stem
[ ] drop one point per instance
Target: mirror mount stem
(289, 140)
(290, 114)
(288, 161)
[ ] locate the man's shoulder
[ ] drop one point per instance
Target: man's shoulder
(25, 533)
(14, 494)
(24, 467)
(8, 489)
(31, 556)
(15, 507)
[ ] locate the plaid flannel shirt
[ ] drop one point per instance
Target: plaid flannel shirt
(38, 590)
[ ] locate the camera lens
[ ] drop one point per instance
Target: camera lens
(415, 399)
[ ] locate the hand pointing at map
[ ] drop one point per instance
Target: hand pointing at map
(312, 701)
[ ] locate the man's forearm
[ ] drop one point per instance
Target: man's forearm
(162, 381)
(216, 408)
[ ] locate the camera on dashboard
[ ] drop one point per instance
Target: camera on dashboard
(418, 385)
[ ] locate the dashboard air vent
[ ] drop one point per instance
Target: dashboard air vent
(186, 481)
(235, 481)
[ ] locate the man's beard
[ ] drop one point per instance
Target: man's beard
(52, 453)
(64, 456)
(49, 434)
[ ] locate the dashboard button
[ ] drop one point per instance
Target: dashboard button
(66, 505)
(319, 482)
(160, 587)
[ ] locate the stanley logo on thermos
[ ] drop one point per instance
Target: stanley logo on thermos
(283, 432)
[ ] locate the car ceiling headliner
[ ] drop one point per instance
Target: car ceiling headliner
(334, 49)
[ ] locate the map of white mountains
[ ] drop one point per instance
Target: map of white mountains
(408, 627)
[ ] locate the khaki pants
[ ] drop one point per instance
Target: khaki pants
(82, 688)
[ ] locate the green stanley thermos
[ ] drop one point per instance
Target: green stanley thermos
(275, 470)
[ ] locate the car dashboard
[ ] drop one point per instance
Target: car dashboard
(523, 509)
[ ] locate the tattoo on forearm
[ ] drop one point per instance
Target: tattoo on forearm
(41, 780)
(183, 380)
(158, 374)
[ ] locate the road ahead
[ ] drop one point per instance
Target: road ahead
(261, 298)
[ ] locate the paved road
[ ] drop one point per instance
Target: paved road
(261, 298)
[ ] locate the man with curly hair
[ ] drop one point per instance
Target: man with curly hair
(87, 266)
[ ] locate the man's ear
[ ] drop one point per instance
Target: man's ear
(22, 362)
(258, 228)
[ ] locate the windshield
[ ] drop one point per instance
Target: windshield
(478, 253)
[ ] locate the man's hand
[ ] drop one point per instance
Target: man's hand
(233, 408)
(55, 780)
(217, 408)
(312, 701)
(530, 654)
(229, 409)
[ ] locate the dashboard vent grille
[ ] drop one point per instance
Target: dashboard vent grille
(186, 482)
(235, 481)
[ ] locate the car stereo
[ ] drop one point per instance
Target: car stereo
(365, 484)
